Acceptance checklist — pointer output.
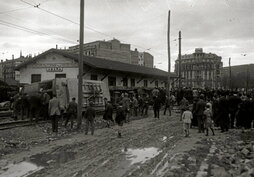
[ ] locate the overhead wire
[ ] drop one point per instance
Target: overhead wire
(32, 31)
(51, 33)
(14, 10)
(86, 26)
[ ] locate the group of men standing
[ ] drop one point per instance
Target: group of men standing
(228, 111)
(31, 106)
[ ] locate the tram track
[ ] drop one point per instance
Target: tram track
(27, 122)
(15, 124)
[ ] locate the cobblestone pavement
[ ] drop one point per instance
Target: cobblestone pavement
(149, 147)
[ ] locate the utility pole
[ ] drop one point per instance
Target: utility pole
(180, 62)
(80, 73)
(230, 76)
(247, 79)
(169, 57)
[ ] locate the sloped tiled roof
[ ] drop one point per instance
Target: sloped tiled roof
(101, 63)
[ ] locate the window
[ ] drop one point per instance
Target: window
(35, 78)
(145, 83)
(60, 76)
(156, 84)
(111, 81)
(125, 82)
(132, 82)
(94, 77)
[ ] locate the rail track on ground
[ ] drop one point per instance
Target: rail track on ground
(18, 123)
(22, 123)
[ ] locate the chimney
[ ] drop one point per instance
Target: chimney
(56, 46)
(13, 57)
(136, 49)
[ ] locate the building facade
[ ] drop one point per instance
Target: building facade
(8, 73)
(116, 51)
(117, 75)
(200, 70)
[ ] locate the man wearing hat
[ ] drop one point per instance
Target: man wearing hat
(200, 108)
(89, 118)
(72, 112)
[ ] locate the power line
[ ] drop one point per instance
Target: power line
(71, 21)
(14, 10)
(11, 25)
(51, 33)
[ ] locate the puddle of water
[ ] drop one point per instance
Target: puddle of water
(45, 159)
(140, 155)
(20, 169)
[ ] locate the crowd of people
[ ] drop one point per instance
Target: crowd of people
(226, 110)
(203, 110)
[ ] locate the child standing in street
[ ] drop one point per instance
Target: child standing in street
(186, 117)
(208, 119)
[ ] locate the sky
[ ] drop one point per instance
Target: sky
(223, 27)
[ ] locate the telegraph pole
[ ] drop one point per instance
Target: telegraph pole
(247, 79)
(180, 62)
(230, 76)
(80, 73)
(169, 57)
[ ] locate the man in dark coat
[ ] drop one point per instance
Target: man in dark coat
(233, 102)
(245, 115)
(120, 117)
(200, 108)
(215, 110)
(140, 103)
(108, 114)
(71, 112)
(126, 106)
(168, 103)
(16, 99)
(25, 106)
(145, 108)
(135, 106)
(45, 104)
(223, 115)
(89, 118)
(156, 107)
(194, 121)
(35, 106)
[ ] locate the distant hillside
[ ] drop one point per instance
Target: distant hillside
(242, 76)
(239, 69)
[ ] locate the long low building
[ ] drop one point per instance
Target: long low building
(56, 63)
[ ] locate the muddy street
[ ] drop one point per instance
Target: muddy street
(149, 147)
(143, 143)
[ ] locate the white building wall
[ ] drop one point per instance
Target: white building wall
(70, 68)
(44, 67)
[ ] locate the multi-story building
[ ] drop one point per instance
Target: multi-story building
(116, 51)
(8, 72)
(200, 70)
